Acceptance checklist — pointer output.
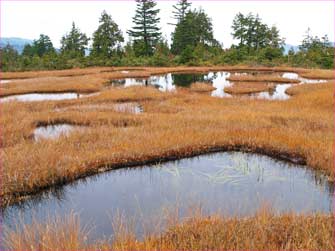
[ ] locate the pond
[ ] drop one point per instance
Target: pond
(278, 94)
(126, 107)
(292, 75)
(219, 80)
(43, 97)
(231, 183)
(4, 81)
(53, 131)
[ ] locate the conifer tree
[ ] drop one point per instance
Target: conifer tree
(74, 43)
(39, 47)
(180, 10)
(106, 38)
(145, 33)
(196, 28)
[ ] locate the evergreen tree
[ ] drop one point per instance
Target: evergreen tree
(239, 28)
(9, 58)
(315, 51)
(254, 35)
(39, 47)
(196, 28)
(28, 50)
(180, 10)
(275, 41)
(74, 43)
(145, 33)
(106, 38)
(260, 33)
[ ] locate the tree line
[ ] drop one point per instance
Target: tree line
(192, 43)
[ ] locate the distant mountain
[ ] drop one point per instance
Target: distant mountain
(17, 43)
(287, 47)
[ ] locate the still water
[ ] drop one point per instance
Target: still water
(218, 80)
(232, 183)
(53, 131)
(41, 97)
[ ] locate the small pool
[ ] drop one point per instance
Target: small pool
(126, 107)
(30, 97)
(4, 81)
(53, 131)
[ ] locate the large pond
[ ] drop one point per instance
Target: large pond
(234, 184)
(219, 80)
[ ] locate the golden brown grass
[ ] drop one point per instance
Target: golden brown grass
(174, 125)
(318, 74)
(249, 87)
(201, 87)
(268, 78)
(79, 84)
(59, 73)
(264, 231)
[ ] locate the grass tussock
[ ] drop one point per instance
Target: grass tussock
(267, 78)
(264, 231)
(58, 73)
(78, 84)
(56, 234)
(249, 88)
(174, 125)
(318, 74)
(298, 90)
(201, 87)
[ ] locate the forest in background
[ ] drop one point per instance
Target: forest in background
(192, 44)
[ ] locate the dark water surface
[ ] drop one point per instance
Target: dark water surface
(234, 184)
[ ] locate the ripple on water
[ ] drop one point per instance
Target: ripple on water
(235, 184)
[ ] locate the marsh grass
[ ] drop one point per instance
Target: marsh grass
(249, 87)
(267, 78)
(318, 74)
(174, 125)
(263, 231)
(201, 87)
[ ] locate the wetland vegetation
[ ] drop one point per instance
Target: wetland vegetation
(181, 157)
(129, 126)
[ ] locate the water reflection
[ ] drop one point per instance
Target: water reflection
(235, 184)
(53, 131)
(4, 81)
(278, 94)
(134, 108)
(219, 81)
(291, 75)
(43, 97)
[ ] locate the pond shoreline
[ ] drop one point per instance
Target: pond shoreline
(280, 156)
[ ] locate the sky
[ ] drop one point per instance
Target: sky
(28, 19)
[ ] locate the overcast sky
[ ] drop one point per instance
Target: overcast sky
(28, 19)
